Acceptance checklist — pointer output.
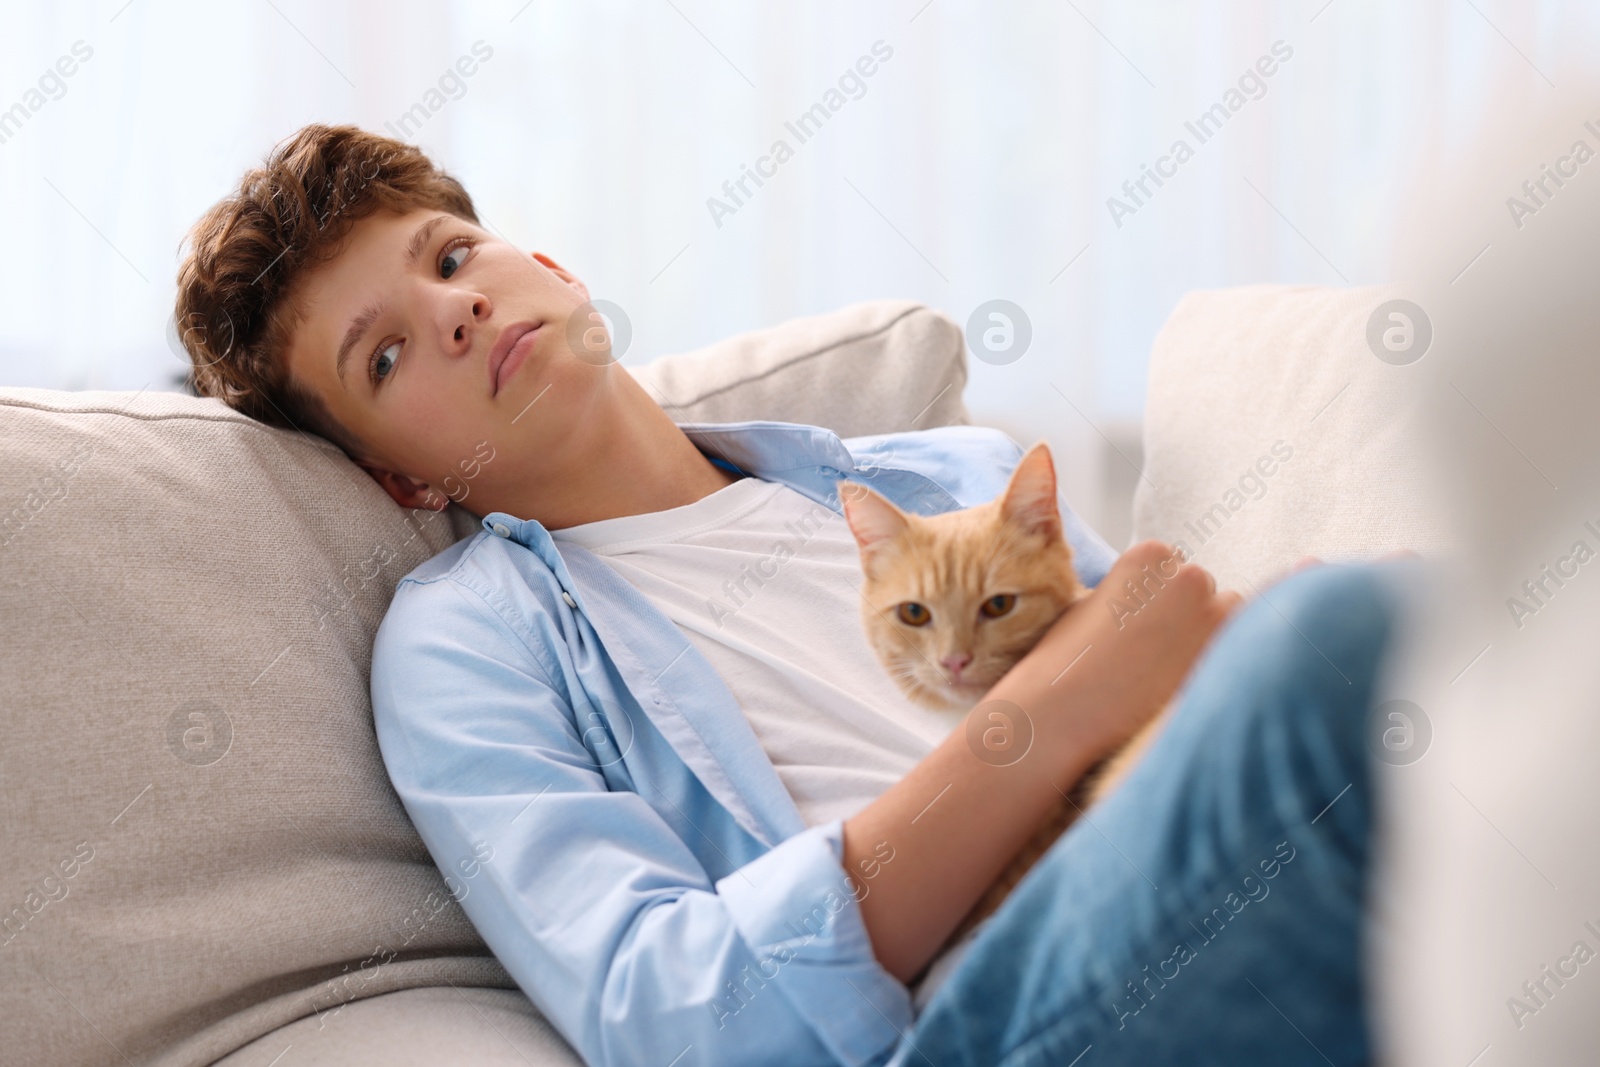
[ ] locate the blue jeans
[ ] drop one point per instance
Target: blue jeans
(1208, 911)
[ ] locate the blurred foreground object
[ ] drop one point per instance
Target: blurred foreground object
(1486, 930)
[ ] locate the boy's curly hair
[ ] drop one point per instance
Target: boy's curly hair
(237, 302)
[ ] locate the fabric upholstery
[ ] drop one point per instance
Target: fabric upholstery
(1236, 372)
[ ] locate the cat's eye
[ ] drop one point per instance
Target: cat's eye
(913, 614)
(999, 604)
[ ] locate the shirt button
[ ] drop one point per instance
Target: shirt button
(829, 472)
(568, 598)
(502, 530)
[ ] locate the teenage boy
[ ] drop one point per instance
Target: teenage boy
(700, 823)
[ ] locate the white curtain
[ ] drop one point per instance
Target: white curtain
(974, 163)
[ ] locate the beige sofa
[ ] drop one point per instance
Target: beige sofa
(205, 860)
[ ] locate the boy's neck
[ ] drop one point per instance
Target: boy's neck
(635, 460)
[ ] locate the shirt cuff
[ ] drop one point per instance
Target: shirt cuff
(801, 916)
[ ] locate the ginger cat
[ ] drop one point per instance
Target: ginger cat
(950, 602)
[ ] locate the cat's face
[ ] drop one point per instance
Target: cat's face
(952, 601)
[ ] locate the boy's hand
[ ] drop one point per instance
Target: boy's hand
(1112, 661)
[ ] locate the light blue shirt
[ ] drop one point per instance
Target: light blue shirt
(600, 805)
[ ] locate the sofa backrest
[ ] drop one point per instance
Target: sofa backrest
(1274, 430)
(201, 843)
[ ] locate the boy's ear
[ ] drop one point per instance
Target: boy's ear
(561, 272)
(408, 492)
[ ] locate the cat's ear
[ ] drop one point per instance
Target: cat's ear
(1030, 496)
(873, 520)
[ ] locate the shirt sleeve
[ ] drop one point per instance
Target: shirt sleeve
(591, 901)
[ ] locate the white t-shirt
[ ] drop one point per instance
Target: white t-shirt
(765, 583)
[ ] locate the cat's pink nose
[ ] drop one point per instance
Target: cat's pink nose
(954, 663)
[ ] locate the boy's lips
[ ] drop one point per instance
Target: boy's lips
(509, 352)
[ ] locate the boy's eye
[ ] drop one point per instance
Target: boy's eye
(452, 260)
(999, 604)
(379, 369)
(913, 614)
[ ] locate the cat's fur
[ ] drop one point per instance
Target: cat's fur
(953, 565)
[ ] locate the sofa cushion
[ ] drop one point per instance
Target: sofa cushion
(1273, 431)
(424, 1027)
(201, 843)
(871, 368)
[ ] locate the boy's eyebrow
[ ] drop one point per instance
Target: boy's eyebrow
(419, 240)
(358, 326)
(363, 322)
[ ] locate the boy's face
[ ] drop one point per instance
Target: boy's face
(415, 309)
